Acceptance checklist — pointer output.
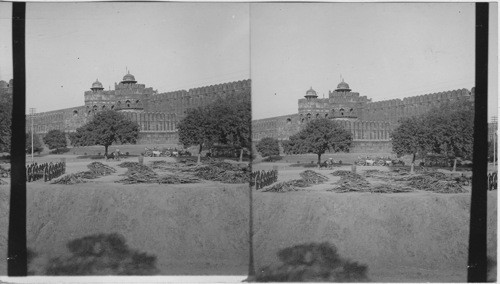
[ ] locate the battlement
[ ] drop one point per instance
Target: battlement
(432, 97)
(171, 95)
(225, 87)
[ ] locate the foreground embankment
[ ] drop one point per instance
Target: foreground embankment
(193, 229)
(410, 237)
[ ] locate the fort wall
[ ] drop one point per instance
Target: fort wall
(370, 123)
(157, 114)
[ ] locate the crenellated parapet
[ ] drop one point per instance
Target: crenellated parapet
(236, 86)
(395, 109)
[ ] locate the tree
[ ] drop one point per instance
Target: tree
(104, 129)
(37, 144)
(447, 130)
(5, 121)
(233, 120)
(268, 147)
(226, 121)
(317, 137)
(196, 129)
(411, 138)
(55, 139)
(451, 129)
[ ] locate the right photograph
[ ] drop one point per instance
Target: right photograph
(362, 139)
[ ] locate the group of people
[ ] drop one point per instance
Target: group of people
(47, 171)
(330, 163)
(262, 178)
(114, 155)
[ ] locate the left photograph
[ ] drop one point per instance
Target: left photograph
(138, 143)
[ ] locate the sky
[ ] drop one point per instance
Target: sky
(167, 46)
(382, 50)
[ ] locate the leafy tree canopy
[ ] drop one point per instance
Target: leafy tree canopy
(410, 137)
(105, 128)
(268, 147)
(317, 137)
(196, 128)
(225, 121)
(452, 129)
(447, 130)
(55, 139)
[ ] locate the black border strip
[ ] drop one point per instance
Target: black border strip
(476, 270)
(17, 251)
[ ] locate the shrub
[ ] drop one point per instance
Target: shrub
(313, 262)
(268, 147)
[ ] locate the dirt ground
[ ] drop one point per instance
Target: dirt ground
(193, 229)
(402, 237)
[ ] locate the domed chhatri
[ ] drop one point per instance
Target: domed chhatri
(311, 93)
(97, 86)
(129, 78)
(343, 87)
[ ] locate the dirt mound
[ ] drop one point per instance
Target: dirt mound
(71, 179)
(347, 174)
(100, 169)
(415, 237)
(96, 170)
(308, 178)
(312, 177)
(223, 172)
(139, 173)
(390, 188)
(286, 186)
(436, 182)
(351, 182)
(399, 181)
